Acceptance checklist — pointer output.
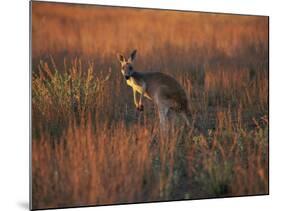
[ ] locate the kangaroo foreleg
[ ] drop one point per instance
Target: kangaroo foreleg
(135, 98)
(137, 104)
(140, 105)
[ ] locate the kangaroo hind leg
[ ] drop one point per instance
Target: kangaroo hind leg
(163, 117)
(184, 116)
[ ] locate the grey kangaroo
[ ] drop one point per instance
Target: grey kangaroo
(163, 90)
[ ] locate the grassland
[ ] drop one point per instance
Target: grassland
(89, 144)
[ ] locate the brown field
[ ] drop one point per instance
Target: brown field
(89, 144)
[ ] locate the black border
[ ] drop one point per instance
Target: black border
(140, 8)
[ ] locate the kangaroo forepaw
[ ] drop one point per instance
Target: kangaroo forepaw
(140, 108)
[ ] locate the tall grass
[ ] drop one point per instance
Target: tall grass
(58, 95)
(89, 144)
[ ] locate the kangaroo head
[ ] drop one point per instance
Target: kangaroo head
(127, 64)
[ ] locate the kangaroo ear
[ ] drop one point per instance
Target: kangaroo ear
(133, 55)
(121, 58)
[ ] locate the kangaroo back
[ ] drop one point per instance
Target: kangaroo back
(167, 89)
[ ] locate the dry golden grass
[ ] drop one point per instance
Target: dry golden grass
(89, 144)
